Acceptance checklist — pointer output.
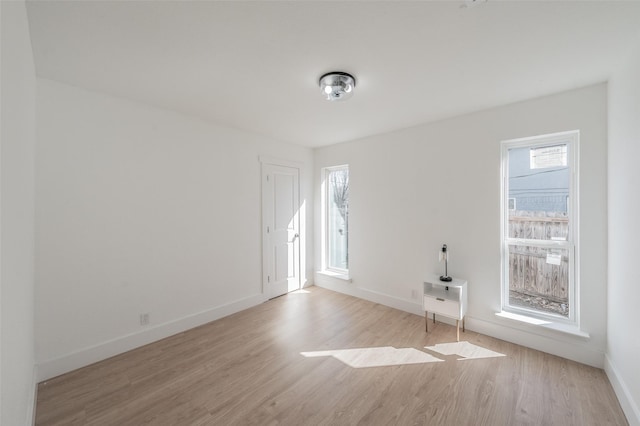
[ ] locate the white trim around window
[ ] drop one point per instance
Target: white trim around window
(553, 249)
(335, 234)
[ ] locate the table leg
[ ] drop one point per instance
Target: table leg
(463, 324)
(458, 330)
(434, 317)
(426, 322)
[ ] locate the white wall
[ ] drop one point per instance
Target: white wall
(623, 343)
(17, 385)
(414, 189)
(142, 210)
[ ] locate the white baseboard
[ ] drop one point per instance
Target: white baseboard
(33, 398)
(346, 287)
(547, 341)
(306, 283)
(72, 361)
(629, 406)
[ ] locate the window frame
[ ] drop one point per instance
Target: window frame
(326, 171)
(572, 140)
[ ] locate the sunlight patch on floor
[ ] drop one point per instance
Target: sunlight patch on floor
(376, 357)
(464, 349)
(301, 291)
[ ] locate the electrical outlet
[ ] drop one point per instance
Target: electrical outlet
(144, 319)
(414, 294)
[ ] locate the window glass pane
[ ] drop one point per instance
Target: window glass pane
(539, 278)
(539, 193)
(338, 219)
(548, 156)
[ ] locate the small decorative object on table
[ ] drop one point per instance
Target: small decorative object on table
(444, 255)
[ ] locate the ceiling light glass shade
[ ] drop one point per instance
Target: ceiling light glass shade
(337, 86)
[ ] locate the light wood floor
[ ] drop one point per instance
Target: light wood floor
(248, 369)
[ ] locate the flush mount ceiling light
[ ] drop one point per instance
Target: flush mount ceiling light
(337, 85)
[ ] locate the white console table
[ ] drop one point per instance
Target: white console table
(448, 299)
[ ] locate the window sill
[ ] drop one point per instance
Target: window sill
(570, 329)
(337, 275)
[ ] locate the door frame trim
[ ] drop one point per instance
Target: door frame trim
(280, 162)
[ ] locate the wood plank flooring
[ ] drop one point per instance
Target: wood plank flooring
(270, 365)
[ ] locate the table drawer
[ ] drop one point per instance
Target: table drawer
(448, 308)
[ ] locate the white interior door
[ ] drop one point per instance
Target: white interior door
(281, 229)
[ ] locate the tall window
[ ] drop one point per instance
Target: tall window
(539, 226)
(336, 201)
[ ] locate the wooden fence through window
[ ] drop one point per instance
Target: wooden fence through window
(531, 271)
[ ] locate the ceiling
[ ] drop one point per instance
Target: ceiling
(255, 65)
